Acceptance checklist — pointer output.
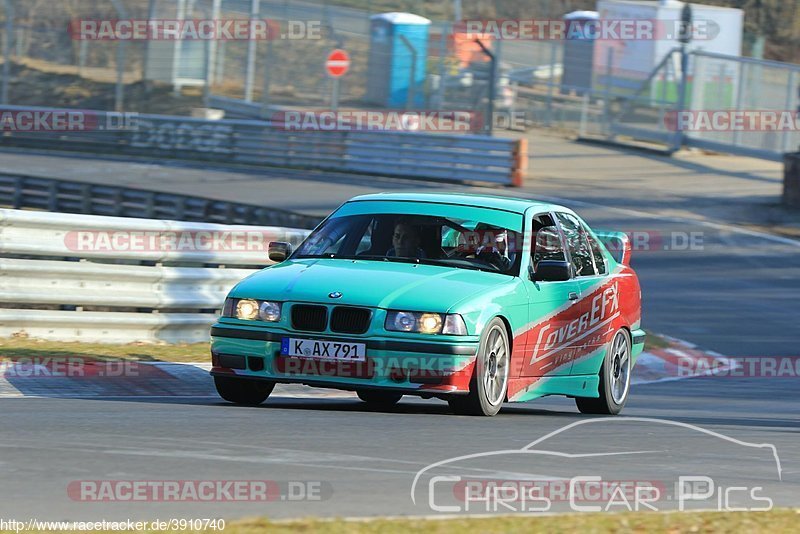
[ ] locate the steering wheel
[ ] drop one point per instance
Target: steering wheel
(494, 258)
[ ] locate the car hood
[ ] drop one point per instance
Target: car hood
(368, 283)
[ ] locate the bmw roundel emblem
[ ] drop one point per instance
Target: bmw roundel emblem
(335, 295)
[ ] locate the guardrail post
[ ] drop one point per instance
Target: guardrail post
(791, 179)
(16, 198)
(520, 164)
(86, 198)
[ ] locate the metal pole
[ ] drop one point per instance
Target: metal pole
(740, 88)
(584, 114)
(151, 13)
(176, 56)
(213, 48)
(489, 122)
(119, 97)
(82, 51)
(680, 135)
(551, 84)
(607, 93)
(7, 50)
(208, 68)
(251, 55)
(335, 93)
(412, 82)
(442, 73)
(219, 69)
(685, 37)
(266, 81)
(790, 88)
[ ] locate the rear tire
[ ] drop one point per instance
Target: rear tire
(615, 379)
(489, 384)
(243, 391)
(379, 399)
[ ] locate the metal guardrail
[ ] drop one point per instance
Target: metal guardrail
(30, 192)
(262, 143)
(237, 108)
(72, 277)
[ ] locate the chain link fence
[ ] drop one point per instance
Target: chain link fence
(747, 85)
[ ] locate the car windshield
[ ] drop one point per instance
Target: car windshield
(433, 240)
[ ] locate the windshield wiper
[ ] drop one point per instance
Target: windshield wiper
(313, 256)
(400, 259)
(396, 259)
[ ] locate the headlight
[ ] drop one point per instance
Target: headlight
(247, 309)
(425, 323)
(252, 310)
(269, 311)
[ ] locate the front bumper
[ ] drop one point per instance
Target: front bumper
(423, 367)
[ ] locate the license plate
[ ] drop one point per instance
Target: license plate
(324, 350)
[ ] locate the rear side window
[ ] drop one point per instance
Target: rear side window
(578, 245)
(597, 254)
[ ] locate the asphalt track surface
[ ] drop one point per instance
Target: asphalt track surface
(737, 294)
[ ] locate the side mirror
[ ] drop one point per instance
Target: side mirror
(279, 251)
(552, 271)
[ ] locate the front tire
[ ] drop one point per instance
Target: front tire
(379, 399)
(615, 379)
(489, 384)
(243, 391)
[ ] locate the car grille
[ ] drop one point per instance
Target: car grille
(350, 320)
(310, 318)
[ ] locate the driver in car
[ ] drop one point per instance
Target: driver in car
(405, 241)
(496, 254)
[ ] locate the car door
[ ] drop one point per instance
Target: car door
(597, 301)
(552, 305)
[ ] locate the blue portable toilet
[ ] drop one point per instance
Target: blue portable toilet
(390, 60)
(581, 28)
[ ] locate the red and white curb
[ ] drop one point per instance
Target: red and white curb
(679, 361)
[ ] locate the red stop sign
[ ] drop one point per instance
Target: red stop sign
(337, 63)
